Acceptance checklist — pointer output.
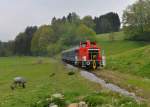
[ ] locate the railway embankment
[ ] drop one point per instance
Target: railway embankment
(113, 87)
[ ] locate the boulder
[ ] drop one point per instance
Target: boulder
(80, 104)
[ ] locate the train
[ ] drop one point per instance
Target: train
(87, 55)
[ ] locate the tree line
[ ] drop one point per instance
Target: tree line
(107, 23)
(61, 34)
(136, 21)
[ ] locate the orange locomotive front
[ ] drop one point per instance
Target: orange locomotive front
(87, 55)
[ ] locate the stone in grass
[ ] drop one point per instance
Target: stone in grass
(71, 72)
(58, 95)
(80, 104)
(53, 105)
(58, 99)
(73, 105)
(52, 74)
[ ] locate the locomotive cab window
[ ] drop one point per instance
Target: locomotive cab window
(93, 53)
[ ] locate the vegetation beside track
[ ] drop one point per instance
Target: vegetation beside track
(126, 56)
(128, 63)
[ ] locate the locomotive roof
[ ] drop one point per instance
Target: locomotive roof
(88, 44)
(71, 49)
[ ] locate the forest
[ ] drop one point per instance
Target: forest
(47, 40)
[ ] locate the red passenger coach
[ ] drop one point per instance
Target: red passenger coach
(87, 55)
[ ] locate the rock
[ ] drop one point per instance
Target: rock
(73, 105)
(53, 105)
(82, 104)
(58, 95)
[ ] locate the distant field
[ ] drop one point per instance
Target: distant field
(106, 36)
(40, 84)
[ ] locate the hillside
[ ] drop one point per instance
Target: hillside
(128, 64)
(136, 61)
(125, 56)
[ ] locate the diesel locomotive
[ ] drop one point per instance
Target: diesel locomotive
(87, 55)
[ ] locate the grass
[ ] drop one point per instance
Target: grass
(136, 62)
(46, 76)
(126, 56)
(140, 86)
(118, 47)
(128, 63)
(40, 84)
(106, 36)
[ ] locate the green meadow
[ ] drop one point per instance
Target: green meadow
(46, 76)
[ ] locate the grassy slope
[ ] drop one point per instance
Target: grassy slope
(132, 59)
(117, 46)
(116, 35)
(136, 61)
(40, 84)
(126, 56)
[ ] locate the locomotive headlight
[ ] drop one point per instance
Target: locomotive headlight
(84, 58)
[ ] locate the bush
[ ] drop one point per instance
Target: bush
(45, 102)
(71, 73)
(145, 36)
(94, 100)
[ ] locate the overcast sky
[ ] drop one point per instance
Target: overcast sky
(15, 15)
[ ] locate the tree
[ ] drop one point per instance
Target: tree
(109, 22)
(53, 20)
(6, 48)
(136, 20)
(41, 39)
(54, 49)
(84, 33)
(88, 21)
(22, 43)
(73, 18)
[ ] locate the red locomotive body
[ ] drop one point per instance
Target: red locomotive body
(87, 55)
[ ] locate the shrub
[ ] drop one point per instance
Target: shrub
(94, 100)
(71, 73)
